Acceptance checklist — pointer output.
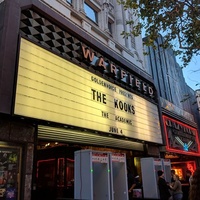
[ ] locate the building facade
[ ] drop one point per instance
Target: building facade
(179, 111)
(70, 81)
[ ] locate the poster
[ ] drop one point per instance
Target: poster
(9, 170)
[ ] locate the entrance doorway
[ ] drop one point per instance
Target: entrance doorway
(54, 171)
(54, 163)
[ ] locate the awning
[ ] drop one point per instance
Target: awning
(85, 137)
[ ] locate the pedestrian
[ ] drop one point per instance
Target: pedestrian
(176, 188)
(163, 186)
(172, 175)
(194, 193)
(188, 179)
(137, 191)
(131, 183)
(189, 176)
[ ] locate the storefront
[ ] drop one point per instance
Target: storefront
(182, 148)
(182, 140)
(80, 108)
(68, 92)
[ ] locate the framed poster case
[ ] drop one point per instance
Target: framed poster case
(10, 164)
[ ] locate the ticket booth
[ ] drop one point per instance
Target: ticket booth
(149, 167)
(119, 176)
(92, 178)
(167, 169)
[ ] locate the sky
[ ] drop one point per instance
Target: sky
(192, 73)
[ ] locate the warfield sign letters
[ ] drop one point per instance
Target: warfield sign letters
(111, 69)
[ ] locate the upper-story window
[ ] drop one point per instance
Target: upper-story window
(110, 24)
(69, 1)
(91, 13)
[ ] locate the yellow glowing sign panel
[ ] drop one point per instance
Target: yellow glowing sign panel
(53, 89)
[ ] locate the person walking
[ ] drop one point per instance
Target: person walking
(176, 188)
(163, 186)
(172, 175)
(194, 192)
(189, 176)
(188, 179)
(131, 184)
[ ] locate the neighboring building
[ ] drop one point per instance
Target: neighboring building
(70, 81)
(196, 110)
(178, 111)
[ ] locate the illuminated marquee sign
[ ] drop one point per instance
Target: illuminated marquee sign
(110, 68)
(53, 89)
(180, 137)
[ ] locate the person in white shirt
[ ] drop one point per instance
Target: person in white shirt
(189, 175)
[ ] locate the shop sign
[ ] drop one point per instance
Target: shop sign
(100, 157)
(53, 89)
(118, 157)
(180, 137)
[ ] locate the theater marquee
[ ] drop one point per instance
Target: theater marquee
(54, 89)
(180, 137)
